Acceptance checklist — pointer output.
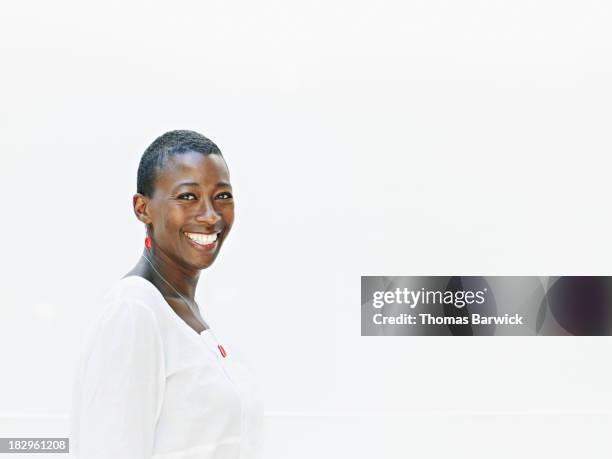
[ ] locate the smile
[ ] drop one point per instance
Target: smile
(202, 239)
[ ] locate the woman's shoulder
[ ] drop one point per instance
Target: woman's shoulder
(129, 302)
(124, 323)
(132, 288)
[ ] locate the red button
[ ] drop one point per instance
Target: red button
(222, 351)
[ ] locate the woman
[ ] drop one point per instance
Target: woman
(154, 381)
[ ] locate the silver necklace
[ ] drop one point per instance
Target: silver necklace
(195, 312)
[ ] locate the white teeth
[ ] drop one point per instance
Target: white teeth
(202, 239)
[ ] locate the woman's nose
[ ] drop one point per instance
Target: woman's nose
(208, 214)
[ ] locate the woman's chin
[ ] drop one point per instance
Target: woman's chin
(204, 266)
(204, 262)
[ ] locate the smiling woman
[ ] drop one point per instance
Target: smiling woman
(153, 380)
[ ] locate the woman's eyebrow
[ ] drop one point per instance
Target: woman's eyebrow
(197, 184)
(186, 184)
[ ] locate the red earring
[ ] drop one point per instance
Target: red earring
(148, 242)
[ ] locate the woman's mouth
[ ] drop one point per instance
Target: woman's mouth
(203, 241)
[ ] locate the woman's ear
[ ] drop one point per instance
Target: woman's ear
(140, 203)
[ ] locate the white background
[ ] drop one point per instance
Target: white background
(363, 138)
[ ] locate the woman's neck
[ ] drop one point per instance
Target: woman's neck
(159, 265)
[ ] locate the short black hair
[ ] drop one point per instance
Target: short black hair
(164, 147)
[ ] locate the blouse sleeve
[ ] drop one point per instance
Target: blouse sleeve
(120, 386)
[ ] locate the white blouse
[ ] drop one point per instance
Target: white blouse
(148, 386)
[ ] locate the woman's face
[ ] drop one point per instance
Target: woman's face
(191, 210)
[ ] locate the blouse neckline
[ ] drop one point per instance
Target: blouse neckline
(205, 333)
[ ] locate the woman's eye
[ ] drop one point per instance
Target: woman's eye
(187, 196)
(226, 194)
